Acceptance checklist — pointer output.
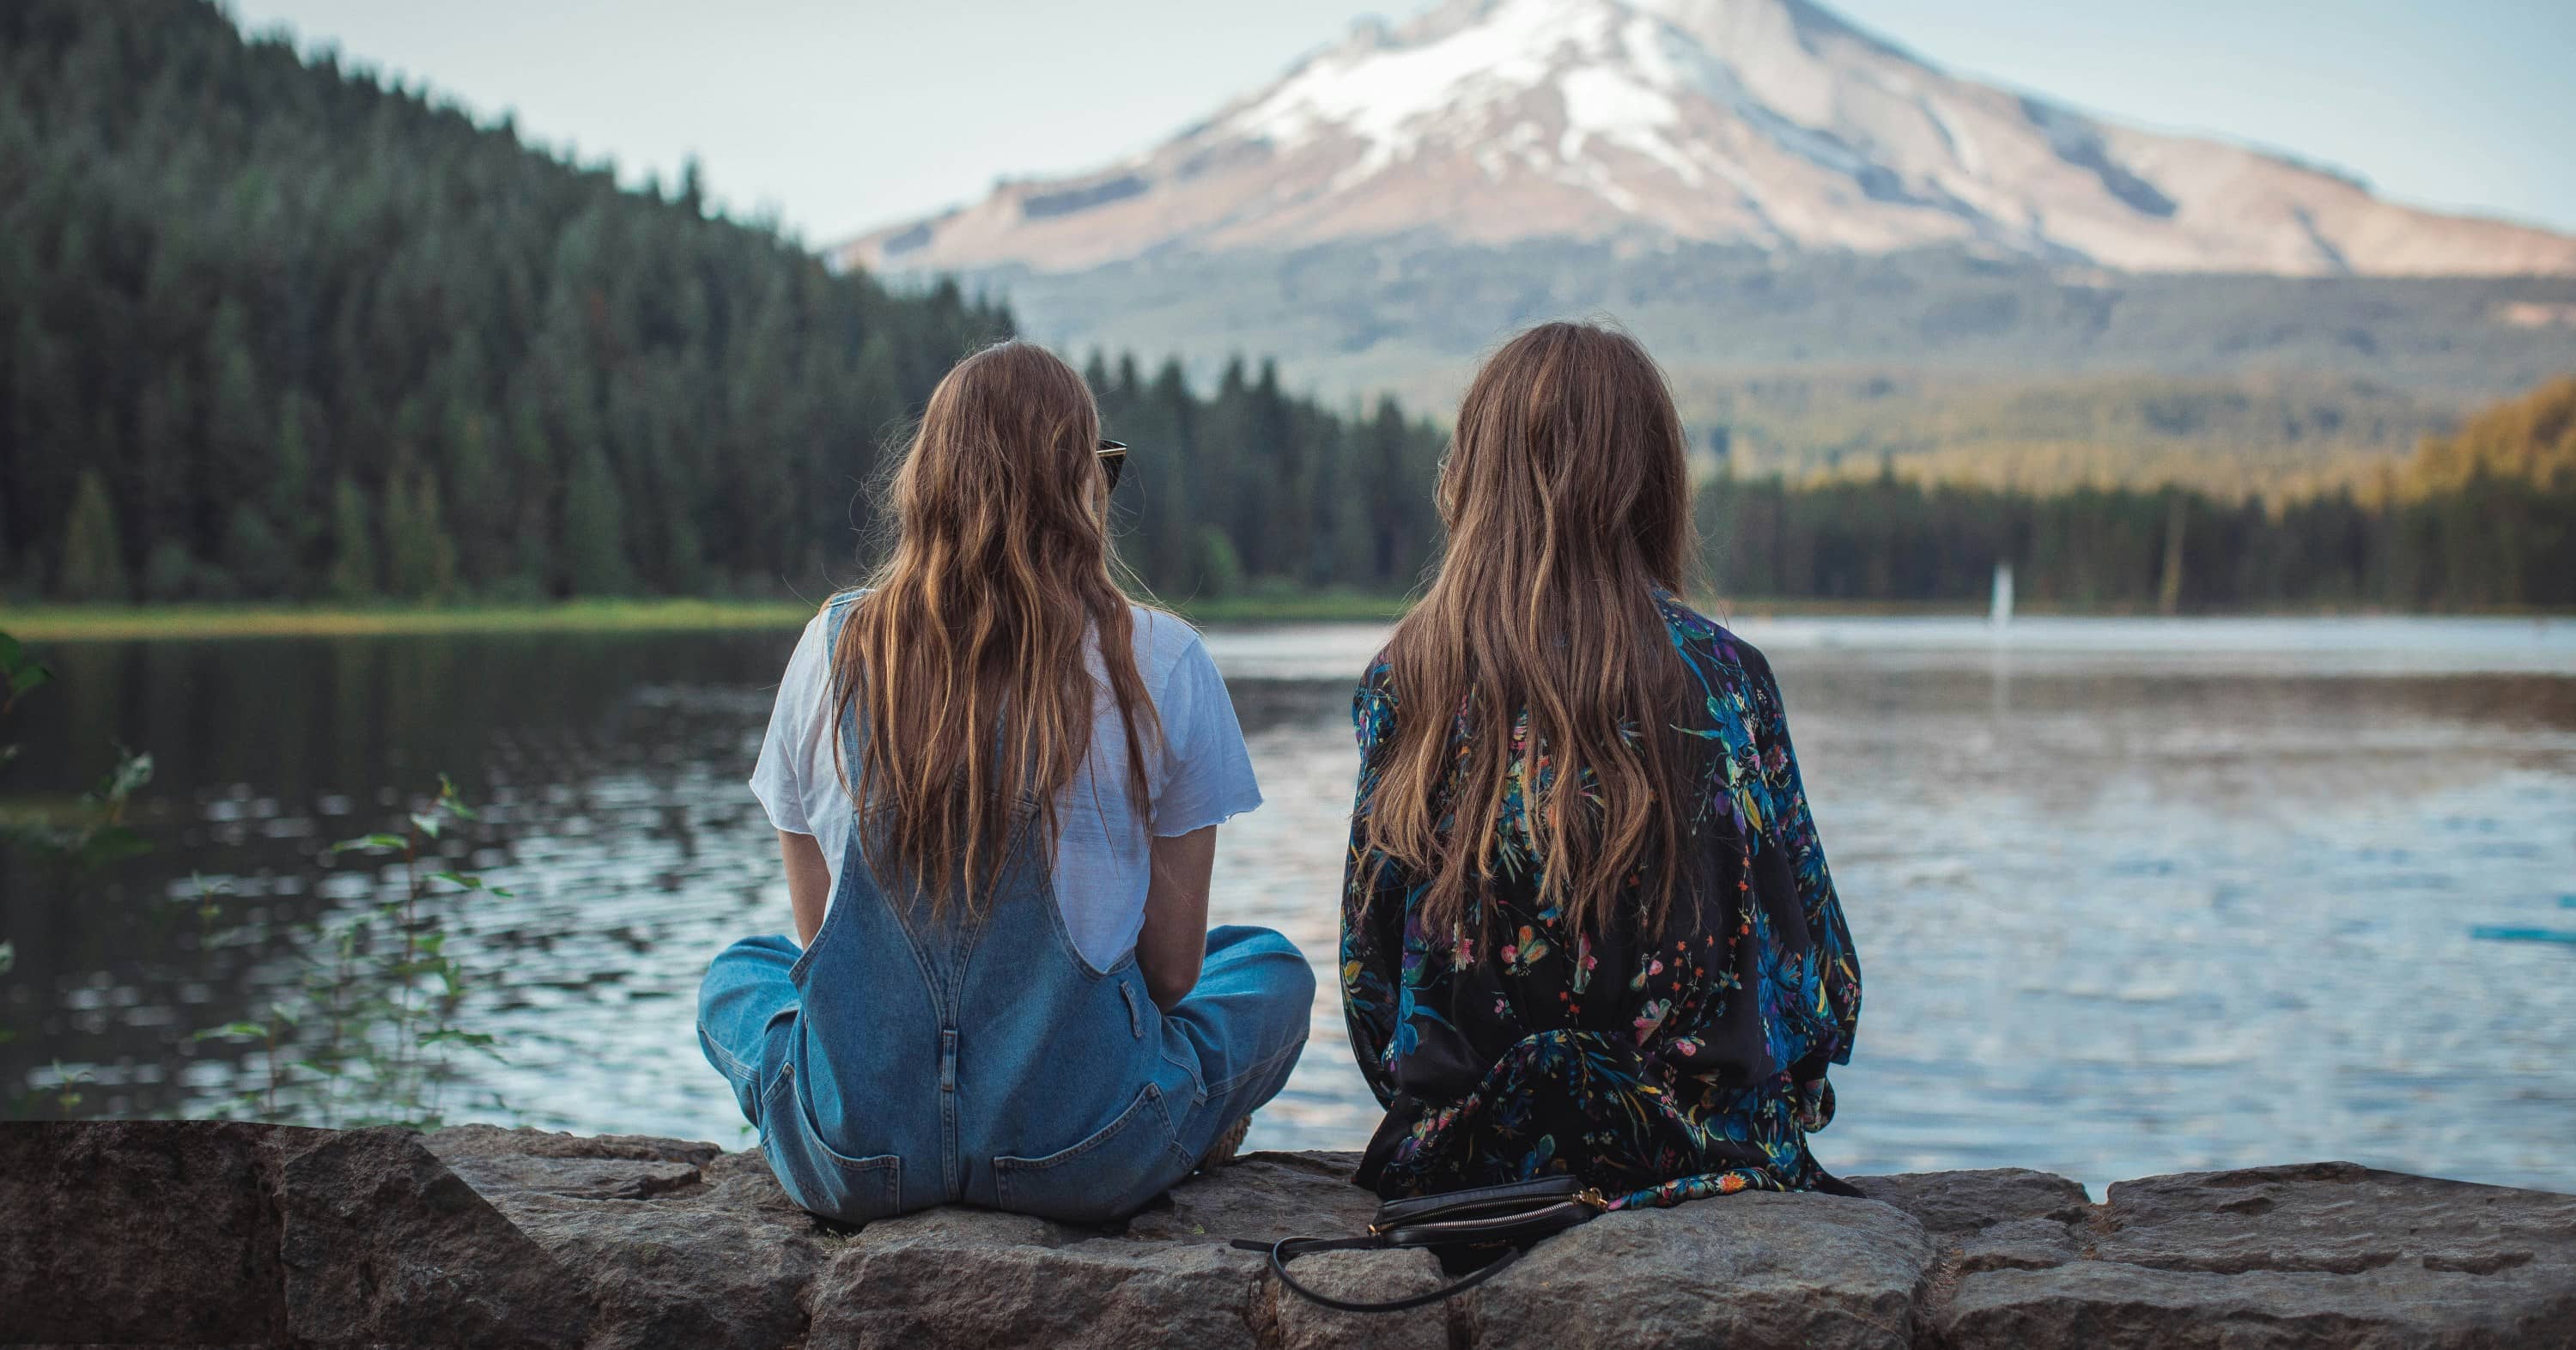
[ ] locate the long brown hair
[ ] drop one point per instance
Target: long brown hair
(967, 659)
(1567, 503)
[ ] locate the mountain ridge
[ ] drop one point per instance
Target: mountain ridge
(1814, 358)
(1776, 123)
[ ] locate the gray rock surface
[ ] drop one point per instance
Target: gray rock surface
(2313, 1254)
(187, 1233)
(158, 1232)
(184, 1221)
(1741, 1270)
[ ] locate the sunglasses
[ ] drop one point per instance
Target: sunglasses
(1113, 461)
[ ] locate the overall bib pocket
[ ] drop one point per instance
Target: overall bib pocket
(1107, 1176)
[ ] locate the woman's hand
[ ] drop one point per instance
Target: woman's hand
(809, 883)
(1173, 942)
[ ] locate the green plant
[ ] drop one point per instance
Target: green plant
(66, 1087)
(96, 834)
(20, 675)
(203, 903)
(368, 1034)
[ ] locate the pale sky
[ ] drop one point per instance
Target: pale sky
(840, 117)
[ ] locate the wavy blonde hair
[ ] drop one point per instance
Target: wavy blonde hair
(967, 658)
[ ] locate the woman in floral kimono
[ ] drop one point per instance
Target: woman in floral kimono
(1587, 925)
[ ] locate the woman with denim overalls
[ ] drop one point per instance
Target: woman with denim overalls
(1005, 991)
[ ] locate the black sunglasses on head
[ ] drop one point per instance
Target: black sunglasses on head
(1113, 461)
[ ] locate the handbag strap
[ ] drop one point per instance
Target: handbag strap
(1289, 1248)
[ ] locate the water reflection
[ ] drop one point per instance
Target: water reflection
(2130, 899)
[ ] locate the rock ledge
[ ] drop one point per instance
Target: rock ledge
(206, 1233)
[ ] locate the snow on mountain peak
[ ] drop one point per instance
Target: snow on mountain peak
(1772, 122)
(1392, 93)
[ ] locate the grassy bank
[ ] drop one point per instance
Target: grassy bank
(99, 623)
(76, 623)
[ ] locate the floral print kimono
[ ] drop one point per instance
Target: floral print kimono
(1658, 1066)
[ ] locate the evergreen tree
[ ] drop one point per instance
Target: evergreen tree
(289, 490)
(1392, 480)
(240, 447)
(420, 559)
(692, 196)
(161, 459)
(172, 573)
(353, 544)
(93, 565)
(479, 491)
(876, 391)
(1220, 569)
(593, 530)
(531, 515)
(254, 557)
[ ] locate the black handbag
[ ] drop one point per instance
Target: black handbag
(1512, 1216)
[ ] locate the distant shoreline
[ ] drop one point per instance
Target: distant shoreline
(103, 623)
(119, 623)
(125, 623)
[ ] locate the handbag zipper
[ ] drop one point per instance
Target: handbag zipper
(1589, 1195)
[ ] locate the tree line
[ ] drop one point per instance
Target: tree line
(278, 331)
(2484, 517)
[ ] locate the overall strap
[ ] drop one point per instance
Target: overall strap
(836, 614)
(836, 611)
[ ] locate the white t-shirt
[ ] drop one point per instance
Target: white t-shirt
(1201, 777)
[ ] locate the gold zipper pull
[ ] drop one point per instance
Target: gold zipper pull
(1591, 1195)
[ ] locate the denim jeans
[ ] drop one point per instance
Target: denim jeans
(1059, 1092)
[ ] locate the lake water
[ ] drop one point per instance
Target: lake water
(2131, 896)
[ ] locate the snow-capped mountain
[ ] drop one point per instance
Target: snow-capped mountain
(1772, 122)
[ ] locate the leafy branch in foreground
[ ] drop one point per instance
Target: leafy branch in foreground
(20, 675)
(367, 1035)
(367, 1031)
(96, 834)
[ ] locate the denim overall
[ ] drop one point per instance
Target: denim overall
(902, 1062)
